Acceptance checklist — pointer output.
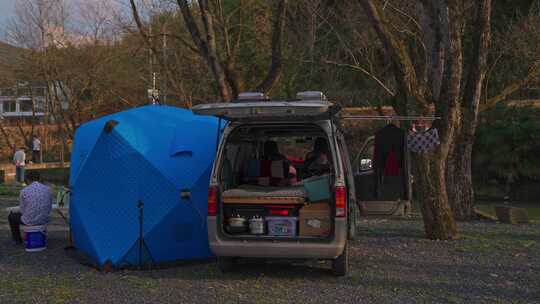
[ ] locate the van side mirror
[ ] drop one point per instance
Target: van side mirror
(365, 164)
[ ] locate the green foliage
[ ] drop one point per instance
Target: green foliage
(508, 143)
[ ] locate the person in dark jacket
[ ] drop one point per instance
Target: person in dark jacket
(317, 161)
(271, 151)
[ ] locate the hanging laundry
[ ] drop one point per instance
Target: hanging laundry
(391, 168)
(389, 163)
(389, 150)
(423, 142)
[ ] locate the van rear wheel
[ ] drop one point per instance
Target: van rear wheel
(340, 266)
(226, 264)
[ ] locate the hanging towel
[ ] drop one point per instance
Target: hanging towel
(422, 142)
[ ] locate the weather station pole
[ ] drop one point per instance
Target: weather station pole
(153, 94)
(164, 69)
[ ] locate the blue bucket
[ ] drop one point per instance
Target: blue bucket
(35, 238)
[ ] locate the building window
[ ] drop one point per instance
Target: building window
(39, 91)
(24, 91)
(8, 92)
(25, 105)
(39, 104)
(10, 106)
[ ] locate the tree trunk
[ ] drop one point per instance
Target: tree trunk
(459, 181)
(429, 172)
(459, 175)
(276, 65)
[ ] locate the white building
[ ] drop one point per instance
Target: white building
(22, 101)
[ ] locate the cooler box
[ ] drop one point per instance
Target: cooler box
(315, 220)
(281, 225)
(318, 188)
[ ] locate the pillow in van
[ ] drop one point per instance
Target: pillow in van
(277, 169)
(253, 168)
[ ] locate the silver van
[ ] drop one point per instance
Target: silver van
(281, 184)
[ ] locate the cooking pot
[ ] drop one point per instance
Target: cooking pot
(256, 225)
(237, 221)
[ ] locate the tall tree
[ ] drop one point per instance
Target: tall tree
(444, 78)
(212, 38)
(459, 176)
(414, 97)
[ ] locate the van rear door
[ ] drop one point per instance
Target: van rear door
(263, 109)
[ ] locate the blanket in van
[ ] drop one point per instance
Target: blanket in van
(252, 194)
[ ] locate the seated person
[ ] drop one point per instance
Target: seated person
(35, 206)
(317, 161)
(271, 151)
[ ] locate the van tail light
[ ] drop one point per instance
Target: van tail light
(279, 210)
(340, 197)
(212, 200)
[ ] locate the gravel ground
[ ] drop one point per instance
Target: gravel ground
(391, 263)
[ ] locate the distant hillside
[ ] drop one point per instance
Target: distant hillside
(10, 56)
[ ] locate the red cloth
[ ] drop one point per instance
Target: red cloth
(391, 168)
(266, 168)
(295, 160)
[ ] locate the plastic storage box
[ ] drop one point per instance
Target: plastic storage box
(281, 225)
(318, 188)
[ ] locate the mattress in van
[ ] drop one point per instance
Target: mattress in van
(252, 194)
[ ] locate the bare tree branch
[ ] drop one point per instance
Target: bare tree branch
(491, 102)
(478, 68)
(274, 72)
(433, 37)
(404, 71)
(366, 72)
(207, 46)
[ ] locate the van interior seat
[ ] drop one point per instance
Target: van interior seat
(266, 172)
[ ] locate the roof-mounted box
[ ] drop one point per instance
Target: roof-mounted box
(252, 96)
(311, 96)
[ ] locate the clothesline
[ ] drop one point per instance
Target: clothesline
(381, 117)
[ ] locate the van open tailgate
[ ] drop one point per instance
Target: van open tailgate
(263, 109)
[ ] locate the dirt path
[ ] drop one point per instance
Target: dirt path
(391, 263)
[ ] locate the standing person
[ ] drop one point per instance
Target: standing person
(35, 206)
(36, 149)
(19, 160)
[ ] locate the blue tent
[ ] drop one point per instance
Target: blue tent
(154, 159)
